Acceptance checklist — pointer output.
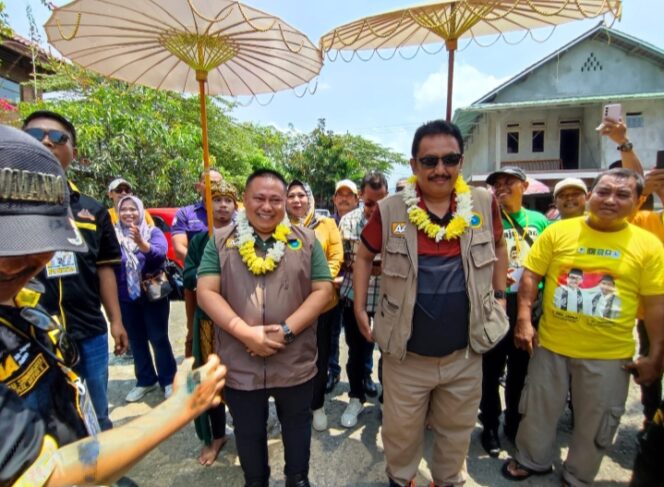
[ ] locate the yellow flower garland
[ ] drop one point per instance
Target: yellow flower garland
(259, 266)
(420, 218)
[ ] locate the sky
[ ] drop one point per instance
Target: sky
(386, 101)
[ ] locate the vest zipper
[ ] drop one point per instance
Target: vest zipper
(262, 281)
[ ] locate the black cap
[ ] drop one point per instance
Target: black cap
(517, 172)
(34, 199)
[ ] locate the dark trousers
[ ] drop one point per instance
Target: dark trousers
(335, 329)
(359, 351)
(250, 412)
(323, 339)
(217, 417)
(493, 365)
(650, 395)
(147, 324)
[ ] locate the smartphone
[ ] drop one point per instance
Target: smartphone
(612, 111)
(660, 159)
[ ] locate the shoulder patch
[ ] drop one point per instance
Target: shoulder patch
(85, 214)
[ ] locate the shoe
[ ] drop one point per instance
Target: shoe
(349, 417)
(137, 393)
(370, 388)
(332, 380)
(490, 442)
(297, 480)
(320, 420)
(125, 482)
(168, 391)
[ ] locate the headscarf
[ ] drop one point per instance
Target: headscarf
(310, 219)
(129, 247)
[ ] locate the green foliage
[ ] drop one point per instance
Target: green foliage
(153, 139)
(5, 30)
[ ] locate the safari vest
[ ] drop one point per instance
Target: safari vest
(393, 322)
(264, 300)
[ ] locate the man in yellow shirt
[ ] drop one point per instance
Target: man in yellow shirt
(592, 353)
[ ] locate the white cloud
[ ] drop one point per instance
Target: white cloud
(469, 84)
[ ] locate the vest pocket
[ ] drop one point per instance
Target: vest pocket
(495, 326)
(388, 313)
(482, 249)
(396, 262)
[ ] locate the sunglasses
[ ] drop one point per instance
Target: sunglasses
(60, 348)
(55, 136)
(122, 190)
(448, 160)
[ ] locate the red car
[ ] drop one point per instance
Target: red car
(163, 218)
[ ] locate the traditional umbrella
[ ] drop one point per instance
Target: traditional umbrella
(450, 20)
(176, 45)
(535, 186)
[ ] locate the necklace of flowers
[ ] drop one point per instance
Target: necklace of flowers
(461, 217)
(246, 241)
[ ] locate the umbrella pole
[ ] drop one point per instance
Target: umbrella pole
(201, 77)
(451, 45)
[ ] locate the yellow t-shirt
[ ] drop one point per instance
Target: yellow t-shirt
(593, 283)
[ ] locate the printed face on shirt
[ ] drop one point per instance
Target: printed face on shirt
(200, 185)
(509, 190)
(345, 200)
(371, 197)
(265, 204)
(612, 199)
(128, 213)
(65, 153)
(570, 202)
(438, 181)
(222, 209)
(607, 286)
(574, 280)
(297, 202)
(15, 272)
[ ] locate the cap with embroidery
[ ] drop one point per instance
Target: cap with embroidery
(223, 188)
(34, 199)
(346, 183)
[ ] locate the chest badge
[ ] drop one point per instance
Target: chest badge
(476, 220)
(295, 244)
(398, 229)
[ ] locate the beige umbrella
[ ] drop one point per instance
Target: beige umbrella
(185, 45)
(451, 20)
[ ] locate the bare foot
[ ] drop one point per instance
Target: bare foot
(210, 453)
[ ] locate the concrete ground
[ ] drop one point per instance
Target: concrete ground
(339, 456)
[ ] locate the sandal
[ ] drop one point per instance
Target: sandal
(515, 465)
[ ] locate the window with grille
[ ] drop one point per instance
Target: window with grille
(634, 120)
(538, 140)
(512, 142)
(9, 90)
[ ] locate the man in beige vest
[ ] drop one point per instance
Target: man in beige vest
(444, 257)
(264, 282)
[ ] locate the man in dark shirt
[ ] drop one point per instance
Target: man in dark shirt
(78, 283)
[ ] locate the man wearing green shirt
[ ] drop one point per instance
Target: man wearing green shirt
(211, 425)
(520, 228)
(263, 283)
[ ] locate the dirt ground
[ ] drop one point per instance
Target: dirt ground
(339, 456)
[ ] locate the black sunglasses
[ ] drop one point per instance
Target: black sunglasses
(448, 160)
(55, 136)
(61, 348)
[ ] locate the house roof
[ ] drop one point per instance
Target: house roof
(617, 39)
(22, 46)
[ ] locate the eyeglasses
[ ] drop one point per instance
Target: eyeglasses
(448, 160)
(122, 190)
(55, 136)
(60, 348)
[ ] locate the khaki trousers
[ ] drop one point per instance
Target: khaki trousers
(445, 391)
(599, 391)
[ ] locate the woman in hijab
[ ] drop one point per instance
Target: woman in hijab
(301, 209)
(143, 256)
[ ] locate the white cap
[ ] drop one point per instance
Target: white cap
(346, 183)
(118, 182)
(569, 183)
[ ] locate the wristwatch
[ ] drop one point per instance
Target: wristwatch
(626, 146)
(289, 336)
(498, 294)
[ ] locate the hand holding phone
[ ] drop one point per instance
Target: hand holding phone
(611, 111)
(660, 159)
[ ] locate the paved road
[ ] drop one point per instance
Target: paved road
(339, 457)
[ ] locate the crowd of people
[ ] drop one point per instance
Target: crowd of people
(461, 288)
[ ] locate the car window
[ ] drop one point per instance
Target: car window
(161, 224)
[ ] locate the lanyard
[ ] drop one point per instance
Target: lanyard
(518, 238)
